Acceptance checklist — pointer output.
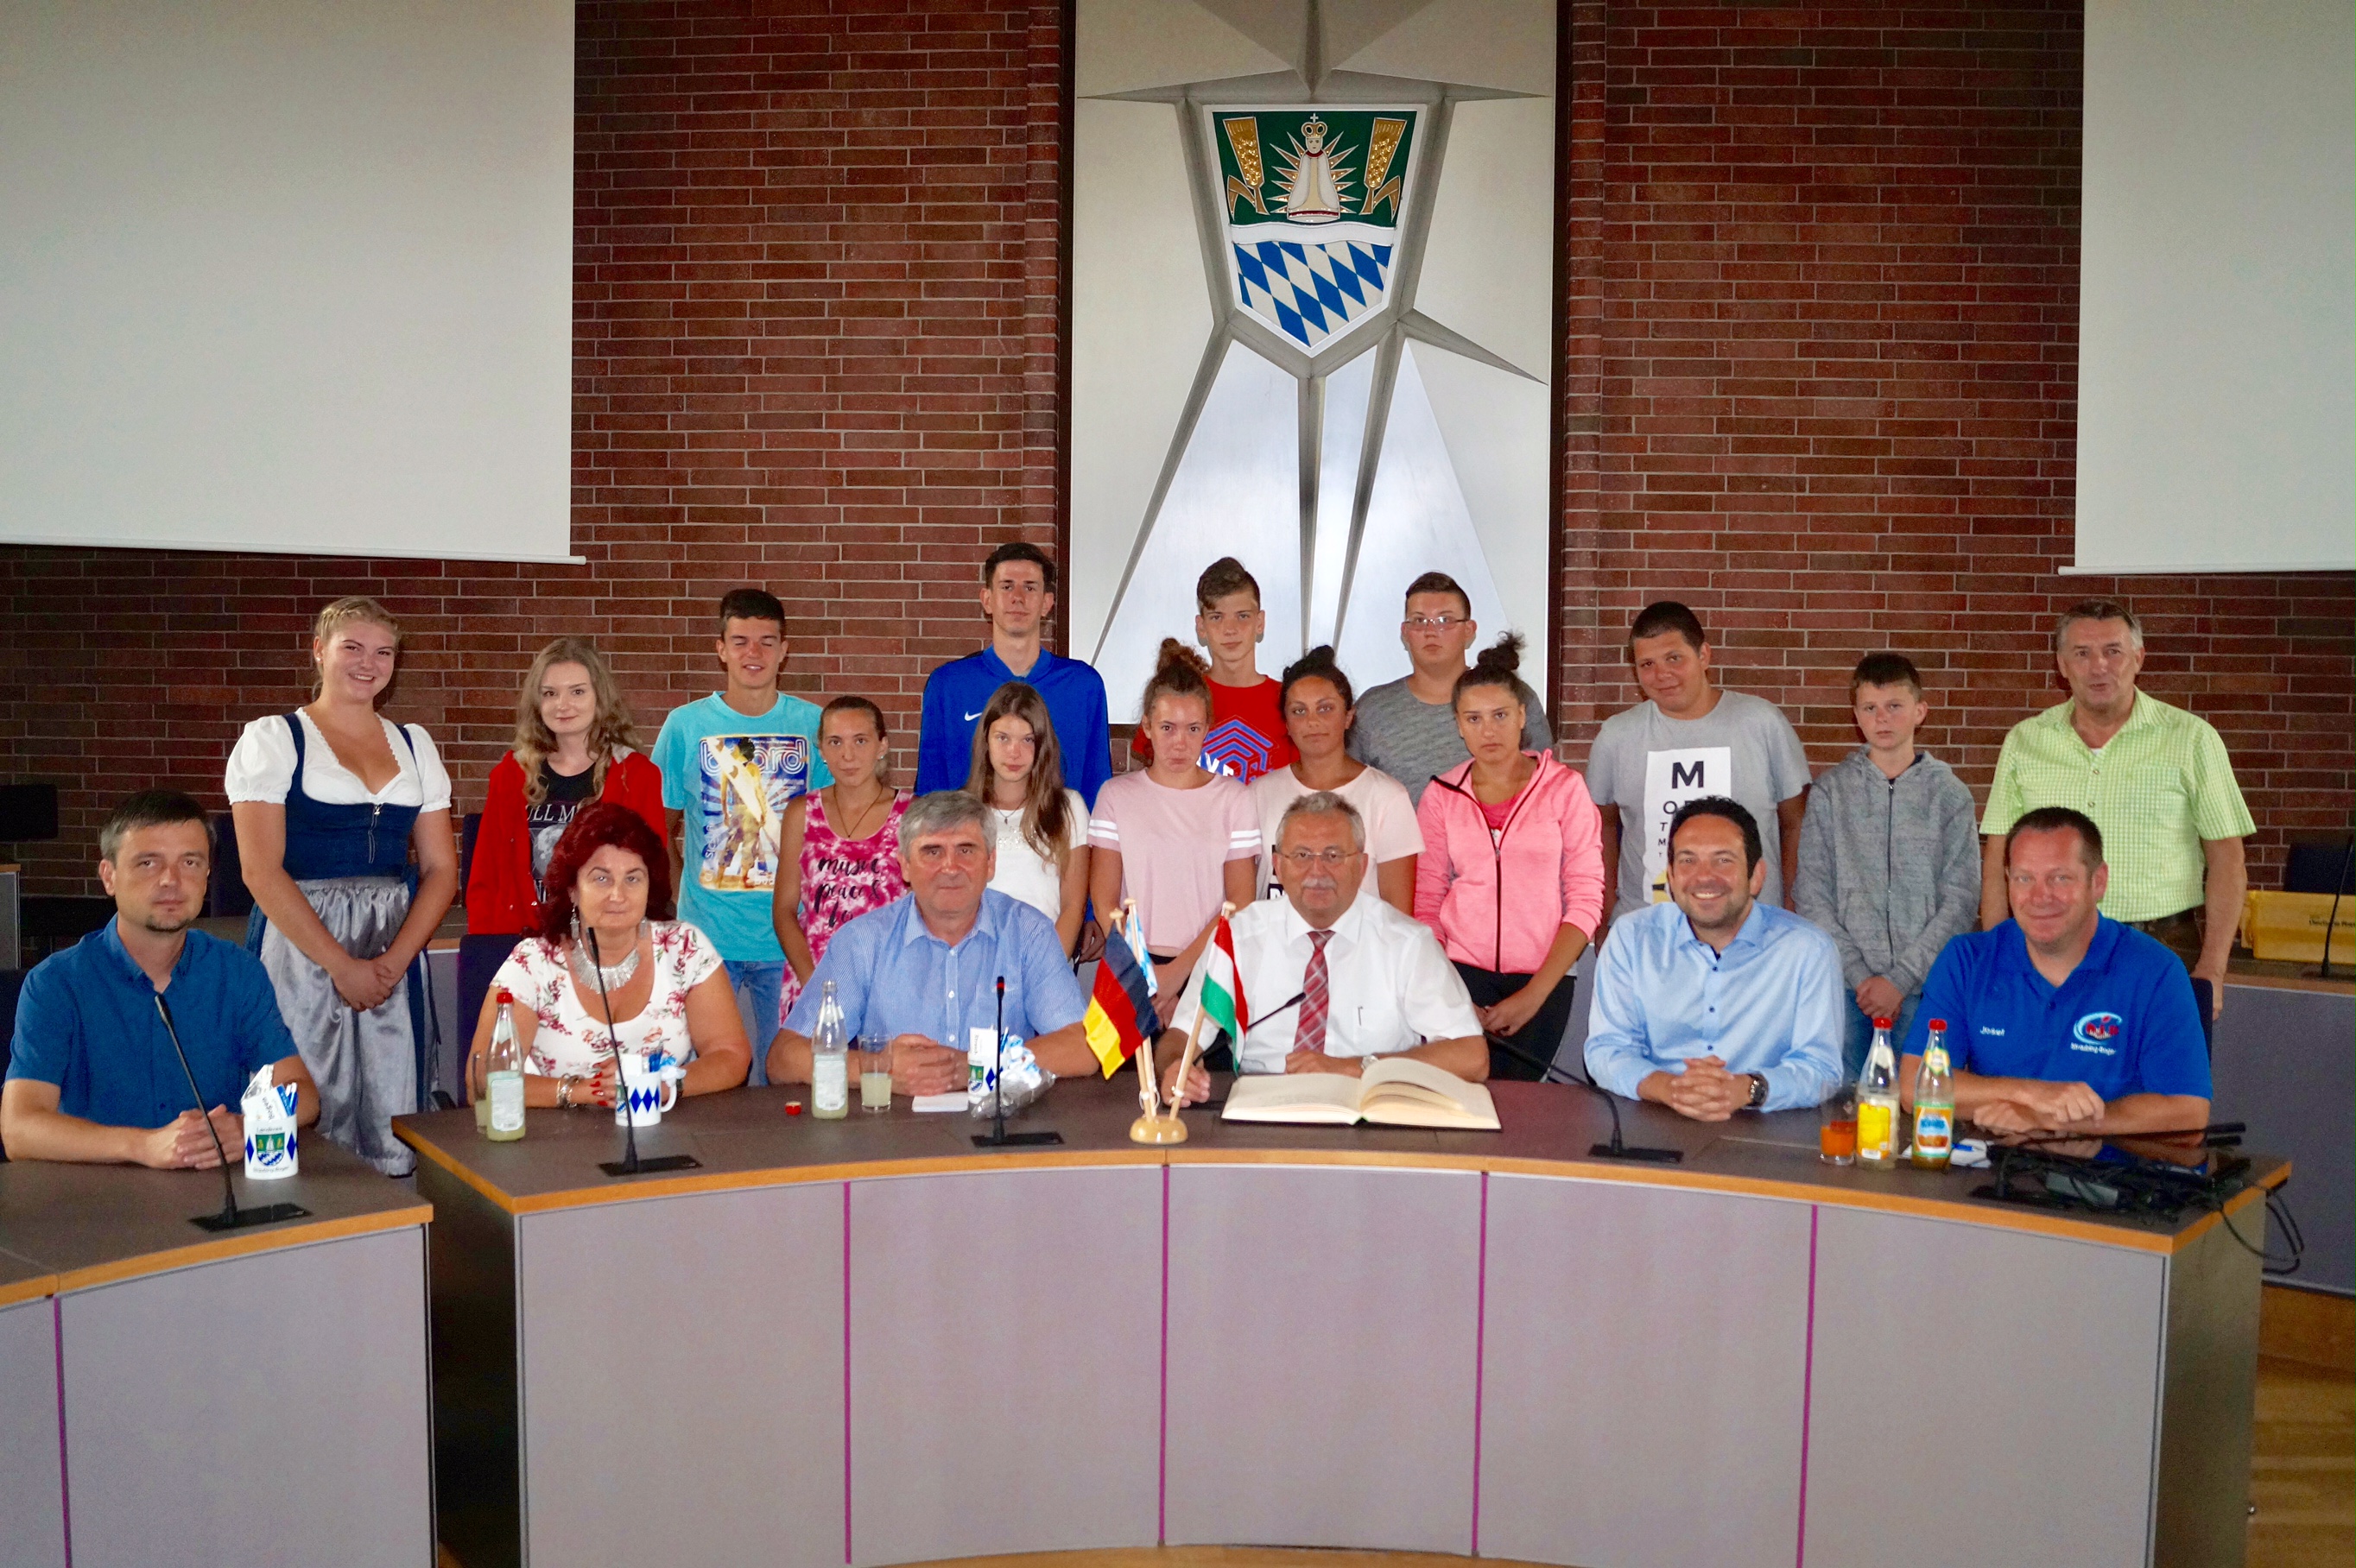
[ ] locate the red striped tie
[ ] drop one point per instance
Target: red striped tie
(1311, 1035)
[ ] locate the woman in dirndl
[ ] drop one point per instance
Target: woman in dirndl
(329, 801)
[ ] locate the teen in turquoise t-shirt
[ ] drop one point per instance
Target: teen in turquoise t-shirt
(731, 764)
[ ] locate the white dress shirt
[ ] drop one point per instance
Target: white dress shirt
(1390, 985)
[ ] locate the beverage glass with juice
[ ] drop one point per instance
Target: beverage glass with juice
(1836, 1126)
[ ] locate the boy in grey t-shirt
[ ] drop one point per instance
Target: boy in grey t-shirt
(1408, 728)
(1688, 739)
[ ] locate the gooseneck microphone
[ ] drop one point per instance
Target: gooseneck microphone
(998, 1136)
(231, 1217)
(629, 1163)
(1616, 1148)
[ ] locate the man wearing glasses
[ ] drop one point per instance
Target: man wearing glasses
(1408, 728)
(1333, 980)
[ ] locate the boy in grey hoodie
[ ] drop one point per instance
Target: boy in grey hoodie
(1890, 860)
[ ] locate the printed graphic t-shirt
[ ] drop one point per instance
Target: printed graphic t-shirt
(732, 776)
(1246, 737)
(546, 821)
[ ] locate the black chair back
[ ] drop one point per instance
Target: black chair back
(2320, 868)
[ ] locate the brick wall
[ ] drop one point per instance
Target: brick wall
(818, 267)
(1821, 378)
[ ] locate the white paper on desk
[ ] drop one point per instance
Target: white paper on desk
(954, 1101)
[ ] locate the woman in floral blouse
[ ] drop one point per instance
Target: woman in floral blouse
(609, 964)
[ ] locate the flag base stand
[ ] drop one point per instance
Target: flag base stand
(1157, 1130)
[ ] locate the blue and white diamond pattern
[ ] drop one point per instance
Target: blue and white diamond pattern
(1308, 292)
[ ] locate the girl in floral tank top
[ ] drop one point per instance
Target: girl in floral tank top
(840, 856)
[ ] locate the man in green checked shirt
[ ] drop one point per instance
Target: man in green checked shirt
(2155, 780)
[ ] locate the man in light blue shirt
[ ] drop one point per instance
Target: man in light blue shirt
(1715, 1003)
(922, 973)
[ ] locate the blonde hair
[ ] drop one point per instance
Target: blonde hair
(610, 728)
(1047, 810)
(352, 610)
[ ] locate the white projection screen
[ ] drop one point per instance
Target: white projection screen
(287, 275)
(2217, 341)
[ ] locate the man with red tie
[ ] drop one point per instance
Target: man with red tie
(1331, 980)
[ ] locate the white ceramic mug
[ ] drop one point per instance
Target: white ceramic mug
(646, 1091)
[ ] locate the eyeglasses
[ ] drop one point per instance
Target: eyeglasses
(1435, 623)
(1328, 858)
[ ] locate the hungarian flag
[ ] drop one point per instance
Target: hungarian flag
(1221, 998)
(1120, 1015)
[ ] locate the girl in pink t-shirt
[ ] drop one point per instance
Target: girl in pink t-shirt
(1177, 839)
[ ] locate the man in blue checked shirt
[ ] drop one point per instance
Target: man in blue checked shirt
(1716, 1003)
(922, 973)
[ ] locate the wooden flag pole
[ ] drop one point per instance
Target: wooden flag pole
(1152, 1127)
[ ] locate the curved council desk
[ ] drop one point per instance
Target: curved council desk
(169, 1396)
(866, 1342)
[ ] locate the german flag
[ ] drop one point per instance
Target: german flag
(1120, 1016)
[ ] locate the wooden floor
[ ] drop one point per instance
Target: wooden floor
(2303, 1481)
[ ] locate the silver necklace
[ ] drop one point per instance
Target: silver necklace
(589, 972)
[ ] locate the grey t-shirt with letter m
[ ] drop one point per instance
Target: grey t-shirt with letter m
(1648, 764)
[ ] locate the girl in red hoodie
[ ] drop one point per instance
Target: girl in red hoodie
(572, 745)
(1510, 877)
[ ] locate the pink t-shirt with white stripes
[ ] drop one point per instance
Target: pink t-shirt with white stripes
(1175, 844)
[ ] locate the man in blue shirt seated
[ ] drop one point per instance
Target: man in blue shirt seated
(2062, 1020)
(1716, 1003)
(923, 972)
(1018, 593)
(92, 1073)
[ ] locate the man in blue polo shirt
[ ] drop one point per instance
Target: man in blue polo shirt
(91, 1073)
(2062, 1020)
(1018, 591)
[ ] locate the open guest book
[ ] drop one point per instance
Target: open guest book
(1396, 1092)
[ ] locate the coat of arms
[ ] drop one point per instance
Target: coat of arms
(1312, 203)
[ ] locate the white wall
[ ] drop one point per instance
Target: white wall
(287, 275)
(2217, 335)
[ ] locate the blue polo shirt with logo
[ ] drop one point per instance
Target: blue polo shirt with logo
(2122, 1023)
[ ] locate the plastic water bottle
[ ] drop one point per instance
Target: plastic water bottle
(829, 1061)
(1934, 1103)
(1877, 1102)
(506, 1074)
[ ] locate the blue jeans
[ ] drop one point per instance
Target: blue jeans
(759, 985)
(1861, 1035)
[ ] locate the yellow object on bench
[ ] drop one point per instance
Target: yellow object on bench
(2290, 927)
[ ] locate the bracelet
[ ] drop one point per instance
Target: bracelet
(564, 1089)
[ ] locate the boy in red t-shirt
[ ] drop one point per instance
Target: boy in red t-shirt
(1247, 736)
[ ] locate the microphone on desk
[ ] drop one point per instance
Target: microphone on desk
(629, 1165)
(1617, 1148)
(1223, 1038)
(231, 1217)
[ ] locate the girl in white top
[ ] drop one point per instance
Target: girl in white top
(329, 801)
(657, 984)
(1042, 827)
(1177, 838)
(1319, 708)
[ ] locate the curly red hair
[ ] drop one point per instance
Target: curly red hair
(595, 826)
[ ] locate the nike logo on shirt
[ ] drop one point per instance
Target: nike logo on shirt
(975, 714)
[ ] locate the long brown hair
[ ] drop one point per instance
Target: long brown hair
(1047, 810)
(611, 728)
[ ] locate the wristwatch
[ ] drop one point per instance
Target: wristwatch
(1757, 1093)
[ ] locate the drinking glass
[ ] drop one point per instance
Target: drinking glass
(875, 1064)
(1836, 1126)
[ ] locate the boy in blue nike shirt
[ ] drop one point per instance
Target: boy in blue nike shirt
(2061, 1021)
(1018, 593)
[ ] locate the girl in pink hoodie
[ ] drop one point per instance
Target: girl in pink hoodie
(1510, 877)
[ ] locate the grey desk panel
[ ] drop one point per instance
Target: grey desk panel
(2285, 1063)
(32, 1499)
(2033, 1438)
(1644, 1347)
(683, 1371)
(2209, 1398)
(1301, 1299)
(271, 1409)
(1005, 1361)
